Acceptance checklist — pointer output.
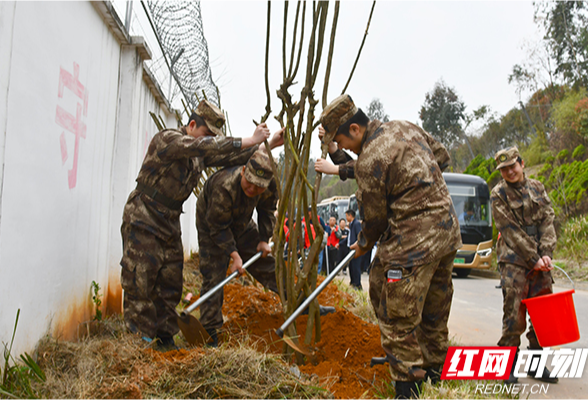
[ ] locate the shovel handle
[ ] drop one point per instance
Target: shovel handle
(315, 293)
(215, 289)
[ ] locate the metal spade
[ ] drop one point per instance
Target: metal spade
(192, 329)
(280, 331)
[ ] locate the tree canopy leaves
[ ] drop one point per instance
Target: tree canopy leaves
(443, 114)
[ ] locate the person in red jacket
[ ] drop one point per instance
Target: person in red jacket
(332, 245)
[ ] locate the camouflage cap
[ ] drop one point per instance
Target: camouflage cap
(506, 157)
(212, 115)
(259, 169)
(336, 114)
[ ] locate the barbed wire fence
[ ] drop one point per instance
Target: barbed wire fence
(179, 30)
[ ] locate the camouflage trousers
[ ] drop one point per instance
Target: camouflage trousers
(152, 281)
(519, 283)
(413, 314)
(213, 266)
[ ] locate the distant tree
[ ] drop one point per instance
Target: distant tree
(566, 26)
(333, 186)
(536, 71)
(376, 111)
(442, 114)
(567, 121)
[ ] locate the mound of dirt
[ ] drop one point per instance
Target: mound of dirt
(343, 354)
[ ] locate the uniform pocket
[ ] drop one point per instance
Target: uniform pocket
(400, 296)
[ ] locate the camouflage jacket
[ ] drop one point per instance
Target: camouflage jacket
(346, 164)
(515, 207)
(173, 165)
(223, 211)
(403, 196)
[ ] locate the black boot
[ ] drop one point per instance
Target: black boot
(408, 390)
(166, 343)
(434, 374)
(213, 342)
(545, 375)
(511, 378)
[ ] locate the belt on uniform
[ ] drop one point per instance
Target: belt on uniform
(159, 197)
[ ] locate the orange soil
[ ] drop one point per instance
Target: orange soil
(343, 354)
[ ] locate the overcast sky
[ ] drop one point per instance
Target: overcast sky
(471, 45)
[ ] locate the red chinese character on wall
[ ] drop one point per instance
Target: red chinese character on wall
(70, 122)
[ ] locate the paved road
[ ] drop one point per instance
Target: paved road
(476, 320)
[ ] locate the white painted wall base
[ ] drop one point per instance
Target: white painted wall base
(74, 128)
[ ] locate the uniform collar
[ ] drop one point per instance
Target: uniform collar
(518, 185)
(371, 128)
(183, 130)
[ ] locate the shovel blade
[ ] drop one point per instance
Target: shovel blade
(298, 347)
(193, 330)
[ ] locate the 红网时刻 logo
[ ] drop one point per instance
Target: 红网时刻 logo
(486, 363)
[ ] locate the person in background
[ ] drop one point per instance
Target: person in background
(524, 217)
(326, 230)
(343, 248)
(332, 244)
(355, 264)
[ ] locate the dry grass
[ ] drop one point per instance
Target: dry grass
(111, 363)
(361, 305)
(115, 364)
(450, 390)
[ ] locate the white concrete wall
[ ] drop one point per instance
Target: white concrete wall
(74, 128)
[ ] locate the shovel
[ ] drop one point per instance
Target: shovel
(306, 303)
(192, 329)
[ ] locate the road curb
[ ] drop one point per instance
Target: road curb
(559, 280)
(485, 273)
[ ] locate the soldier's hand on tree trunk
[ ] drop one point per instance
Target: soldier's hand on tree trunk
(326, 167)
(277, 139)
(261, 133)
(332, 145)
(237, 263)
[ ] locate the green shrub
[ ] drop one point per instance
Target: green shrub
(563, 155)
(579, 152)
(494, 179)
(537, 151)
(573, 239)
(567, 185)
(546, 169)
(484, 168)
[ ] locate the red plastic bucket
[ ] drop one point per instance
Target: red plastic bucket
(554, 318)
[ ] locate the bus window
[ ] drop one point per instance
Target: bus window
(471, 209)
(353, 203)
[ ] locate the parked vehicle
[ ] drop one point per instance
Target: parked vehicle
(353, 204)
(333, 206)
(471, 200)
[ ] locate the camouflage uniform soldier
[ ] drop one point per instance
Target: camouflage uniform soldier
(226, 230)
(153, 257)
(407, 207)
(523, 214)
